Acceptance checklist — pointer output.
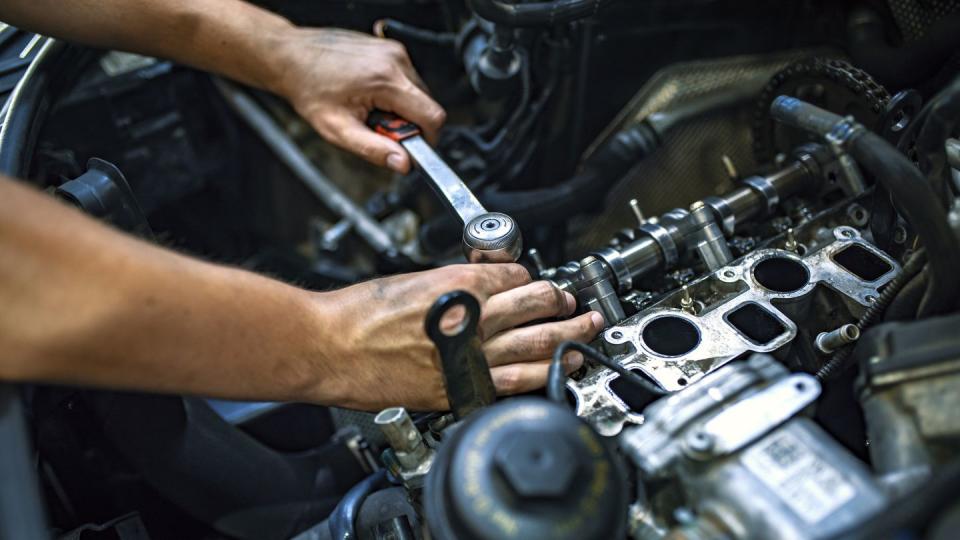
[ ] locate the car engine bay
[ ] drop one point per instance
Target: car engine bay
(760, 198)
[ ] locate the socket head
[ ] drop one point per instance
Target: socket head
(492, 238)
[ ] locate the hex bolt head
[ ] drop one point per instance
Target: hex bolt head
(537, 465)
(699, 442)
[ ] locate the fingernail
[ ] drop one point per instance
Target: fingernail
(572, 361)
(395, 162)
(597, 320)
(571, 302)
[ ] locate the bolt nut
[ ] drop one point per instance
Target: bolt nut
(537, 465)
(699, 442)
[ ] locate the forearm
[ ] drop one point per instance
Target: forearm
(230, 37)
(86, 305)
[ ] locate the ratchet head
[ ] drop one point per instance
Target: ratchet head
(492, 238)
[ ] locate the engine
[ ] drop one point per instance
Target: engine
(767, 220)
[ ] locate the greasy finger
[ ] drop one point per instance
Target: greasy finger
(538, 300)
(413, 104)
(536, 342)
(529, 376)
(348, 132)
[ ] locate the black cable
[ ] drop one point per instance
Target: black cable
(556, 376)
(839, 362)
(392, 28)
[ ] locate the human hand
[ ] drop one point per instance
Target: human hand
(384, 358)
(334, 78)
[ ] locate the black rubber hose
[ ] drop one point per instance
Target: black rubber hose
(914, 196)
(536, 13)
(942, 116)
(904, 306)
(344, 516)
(904, 66)
(556, 376)
(394, 29)
(583, 192)
(922, 209)
(840, 360)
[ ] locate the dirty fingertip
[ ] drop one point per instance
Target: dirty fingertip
(572, 361)
(597, 320)
(397, 162)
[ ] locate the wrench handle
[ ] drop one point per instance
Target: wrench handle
(392, 126)
(466, 374)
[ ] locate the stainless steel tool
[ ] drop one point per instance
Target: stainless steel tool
(488, 237)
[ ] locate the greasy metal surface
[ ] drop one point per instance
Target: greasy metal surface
(719, 342)
(688, 166)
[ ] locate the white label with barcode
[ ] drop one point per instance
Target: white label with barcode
(808, 485)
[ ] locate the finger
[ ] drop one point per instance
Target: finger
(538, 300)
(413, 104)
(535, 342)
(530, 376)
(493, 279)
(348, 132)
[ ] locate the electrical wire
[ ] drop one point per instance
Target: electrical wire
(556, 375)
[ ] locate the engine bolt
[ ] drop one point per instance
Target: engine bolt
(635, 206)
(686, 301)
(791, 243)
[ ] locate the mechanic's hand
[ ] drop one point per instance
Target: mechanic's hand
(388, 360)
(335, 78)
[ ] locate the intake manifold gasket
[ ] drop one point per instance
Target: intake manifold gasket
(746, 319)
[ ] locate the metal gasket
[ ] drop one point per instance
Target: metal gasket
(719, 341)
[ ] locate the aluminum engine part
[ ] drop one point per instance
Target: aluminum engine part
(681, 179)
(744, 462)
(749, 306)
(910, 398)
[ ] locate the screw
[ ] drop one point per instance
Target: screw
(791, 243)
(686, 301)
(730, 168)
(534, 254)
(617, 335)
(699, 442)
(637, 212)
(729, 274)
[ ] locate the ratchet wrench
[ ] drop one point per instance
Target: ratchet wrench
(488, 237)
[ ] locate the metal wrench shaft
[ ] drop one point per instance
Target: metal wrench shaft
(488, 237)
